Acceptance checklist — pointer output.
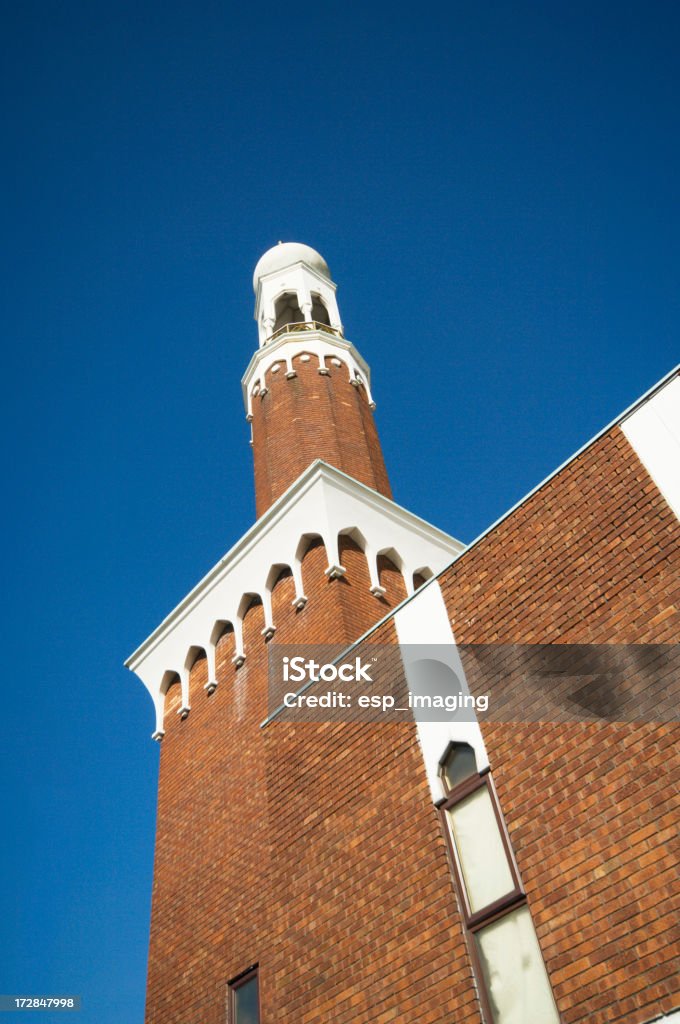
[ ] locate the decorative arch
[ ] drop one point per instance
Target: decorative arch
(421, 576)
(170, 678)
(287, 310)
(195, 654)
(393, 556)
(309, 542)
(306, 542)
(320, 310)
(354, 534)
(278, 571)
(173, 679)
(389, 558)
(280, 581)
(221, 629)
(249, 600)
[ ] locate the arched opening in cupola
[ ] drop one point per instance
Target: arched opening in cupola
(287, 310)
(319, 310)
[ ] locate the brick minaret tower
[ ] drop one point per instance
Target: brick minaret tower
(328, 556)
(307, 389)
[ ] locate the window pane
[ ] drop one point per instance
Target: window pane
(460, 764)
(514, 972)
(481, 853)
(246, 1003)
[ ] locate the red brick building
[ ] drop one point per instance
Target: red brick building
(507, 870)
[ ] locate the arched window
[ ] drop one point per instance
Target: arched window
(319, 311)
(513, 981)
(287, 310)
(459, 763)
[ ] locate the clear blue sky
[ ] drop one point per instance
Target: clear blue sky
(494, 187)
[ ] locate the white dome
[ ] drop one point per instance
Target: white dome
(285, 254)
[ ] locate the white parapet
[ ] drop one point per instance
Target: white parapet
(322, 503)
(653, 430)
(327, 348)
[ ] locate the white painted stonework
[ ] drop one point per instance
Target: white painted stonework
(296, 271)
(292, 268)
(653, 430)
(421, 621)
(323, 502)
(322, 344)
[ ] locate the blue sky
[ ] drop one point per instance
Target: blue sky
(495, 190)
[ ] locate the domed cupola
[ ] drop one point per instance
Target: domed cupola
(293, 286)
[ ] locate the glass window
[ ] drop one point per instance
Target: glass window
(481, 853)
(514, 972)
(460, 764)
(514, 987)
(245, 1000)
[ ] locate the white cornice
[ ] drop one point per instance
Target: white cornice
(323, 501)
(285, 348)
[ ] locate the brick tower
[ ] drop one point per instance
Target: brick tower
(307, 390)
(510, 870)
(328, 556)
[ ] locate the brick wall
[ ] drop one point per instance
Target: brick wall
(315, 850)
(223, 841)
(593, 557)
(313, 417)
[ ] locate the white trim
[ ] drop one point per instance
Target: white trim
(605, 430)
(322, 502)
(423, 623)
(287, 347)
(298, 278)
(653, 432)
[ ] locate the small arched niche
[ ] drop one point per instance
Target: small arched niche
(307, 543)
(390, 566)
(194, 654)
(277, 573)
(196, 663)
(352, 548)
(287, 311)
(172, 695)
(312, 558)
(319, 311)
(421, 576)
(248, 603)
(354, 534)
(222, 638)
(222, 628)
